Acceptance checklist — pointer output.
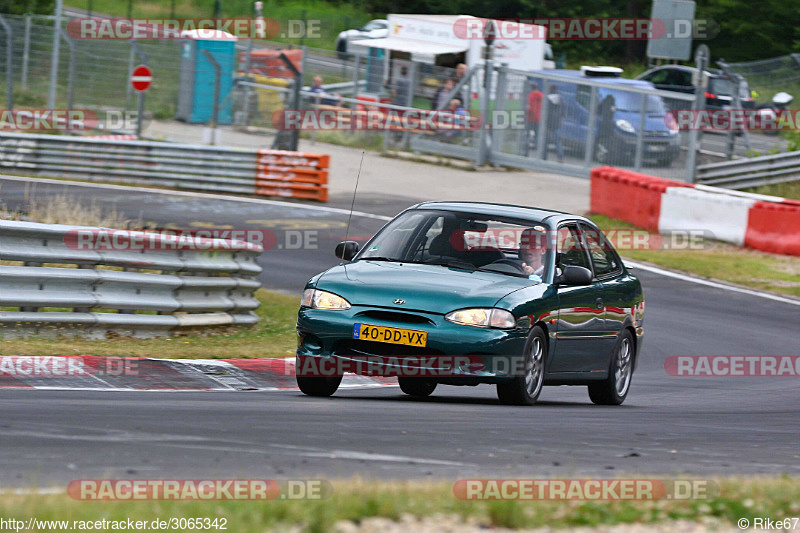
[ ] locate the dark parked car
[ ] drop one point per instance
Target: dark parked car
(615, 137)
(719, 93)
(522, 297)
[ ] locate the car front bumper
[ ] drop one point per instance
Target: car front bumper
(454, 353)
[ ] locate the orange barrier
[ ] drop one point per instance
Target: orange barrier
(629, 196)
(774, 227)
(292, 174)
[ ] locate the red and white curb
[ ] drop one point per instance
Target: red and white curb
(145, 374)
(767, 223)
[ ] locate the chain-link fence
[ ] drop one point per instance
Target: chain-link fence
(91, 73)
(567, 123)
(770, 76)
(547, 120)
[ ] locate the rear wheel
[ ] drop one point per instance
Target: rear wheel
(525, 389)
(614, 389)
(318, 386)
(417, 387)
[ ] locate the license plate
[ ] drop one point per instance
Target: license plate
(657, 148)
(409, 337)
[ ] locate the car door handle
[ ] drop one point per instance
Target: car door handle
(599, 303)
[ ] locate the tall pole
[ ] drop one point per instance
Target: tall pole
(9, 63)
(488, 71)
(701, 56)
(51, 94)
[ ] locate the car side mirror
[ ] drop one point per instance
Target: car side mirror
(574, 276)
(346, 250)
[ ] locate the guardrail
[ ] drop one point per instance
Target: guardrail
(753, 172)
(182, 166)
(59, 280)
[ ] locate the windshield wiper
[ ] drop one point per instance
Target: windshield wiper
(454, 264)
(379, 258)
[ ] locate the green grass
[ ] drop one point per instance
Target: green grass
(272, 336)
(789, 189)
(751, 268)
(356, 501)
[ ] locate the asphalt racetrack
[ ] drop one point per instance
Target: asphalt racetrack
(668, 425)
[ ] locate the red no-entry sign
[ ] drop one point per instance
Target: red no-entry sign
(141, 77)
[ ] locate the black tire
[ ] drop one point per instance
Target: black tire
(318, 386)
(614, 389)
(417, 387)
(525, 389)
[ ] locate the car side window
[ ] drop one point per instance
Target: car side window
(570, 249)
(683, 78)
(659, 77)
(605, 261)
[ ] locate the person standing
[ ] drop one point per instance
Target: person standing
(605, 147)
(533, 116)
(402, 88)
(555, 116)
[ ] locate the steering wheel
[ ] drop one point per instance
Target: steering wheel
(512, 262)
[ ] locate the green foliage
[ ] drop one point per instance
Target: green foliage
(747, 30)
(21, 7)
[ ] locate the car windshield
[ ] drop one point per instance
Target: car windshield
(632, 102)
(463, 240)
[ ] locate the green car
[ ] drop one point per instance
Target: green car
(466, 293)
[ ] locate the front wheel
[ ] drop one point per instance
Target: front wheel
(614, 389)
(525, 389)
(417, 387)
(318, 386)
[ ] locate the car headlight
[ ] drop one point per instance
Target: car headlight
(316, 299)
(482, 318)
(625, 126)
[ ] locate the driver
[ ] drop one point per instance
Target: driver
(532, 250)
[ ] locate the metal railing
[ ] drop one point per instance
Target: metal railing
(182, 166)
(754, 172)
(54, 283)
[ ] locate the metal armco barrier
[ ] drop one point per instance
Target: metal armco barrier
(753, 172)
(182, 166)
(767, 223)
(140, 291)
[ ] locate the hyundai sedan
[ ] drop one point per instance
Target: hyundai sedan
(465, 293)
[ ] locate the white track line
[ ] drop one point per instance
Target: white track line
(709, 283)
(192, 194)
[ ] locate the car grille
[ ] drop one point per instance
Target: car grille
(361, 347)
(394, 316)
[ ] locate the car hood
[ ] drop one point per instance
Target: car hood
(430, 288)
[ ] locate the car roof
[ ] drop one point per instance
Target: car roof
(533, 214)
(577, 74)
(712, 71)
